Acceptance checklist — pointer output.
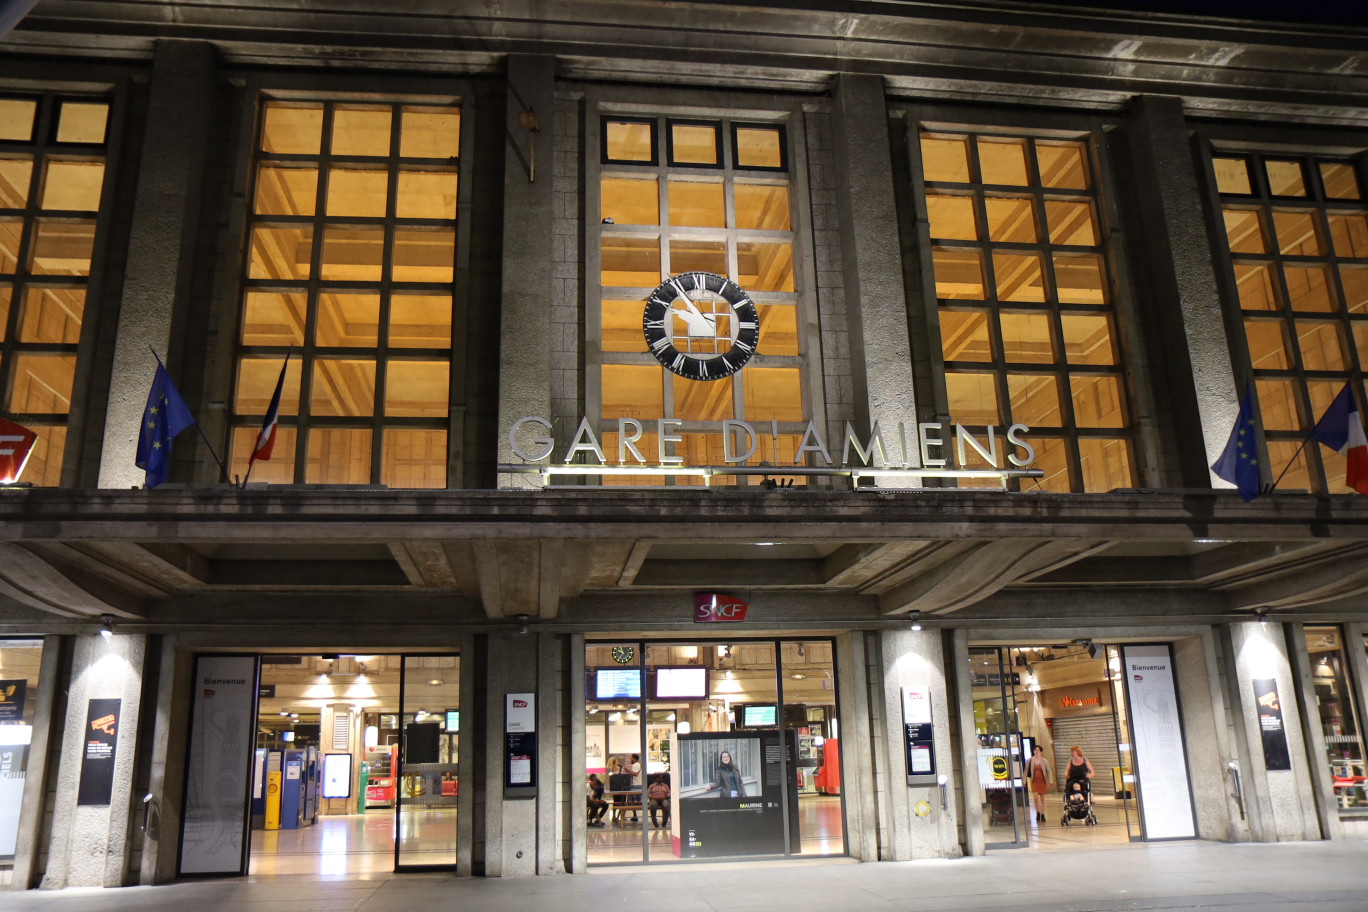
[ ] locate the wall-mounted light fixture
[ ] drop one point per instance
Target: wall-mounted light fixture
(106, 625)
(915, 617)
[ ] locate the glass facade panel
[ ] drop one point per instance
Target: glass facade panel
(41, 384)
(15, 176)
(945, 158)
(1026, 338)
(1002, 161)
(52, 316)
(763, 207)
(699, 401)
(72, 185)
(61, 247)
(417, 389)
(627, 141)
(959, 274)
(342, 387)
(697, 203)
(20, 663)
(286, 190)
(1285, 178)
(694, 144)
(1232, 175)
(1339, 180)
(630, 201)
(339, 456)
(414, 458)
(759, 147)
(1011, 219)
(292, 129)
(1336, 706)
(964, 336)
(357, 192)
(16, 118)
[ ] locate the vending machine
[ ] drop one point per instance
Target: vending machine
(382, 781)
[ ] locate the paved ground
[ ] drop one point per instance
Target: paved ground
(1324, 877)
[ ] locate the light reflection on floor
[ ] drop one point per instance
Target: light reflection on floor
(1110, 830)
(356, 844)
(819, 824)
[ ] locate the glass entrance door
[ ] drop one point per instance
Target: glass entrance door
(427, 787)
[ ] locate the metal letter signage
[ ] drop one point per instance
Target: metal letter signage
(1276, 756)
(713, 607)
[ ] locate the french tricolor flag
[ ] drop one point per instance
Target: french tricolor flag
(265, 441)
(1341, 429)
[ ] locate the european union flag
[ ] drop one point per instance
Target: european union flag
(1239, 463)
(165, 416)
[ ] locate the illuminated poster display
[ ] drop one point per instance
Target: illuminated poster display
(1160, 758)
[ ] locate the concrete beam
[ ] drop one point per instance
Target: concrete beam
(32, 579)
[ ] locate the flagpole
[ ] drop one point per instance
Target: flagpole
(223, 469)
(1292, 461)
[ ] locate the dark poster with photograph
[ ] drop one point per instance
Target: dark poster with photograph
(97, 763)
(1276, 756)
(12, 696)
(730, 794)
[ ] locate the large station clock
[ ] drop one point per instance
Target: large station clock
(701, 326)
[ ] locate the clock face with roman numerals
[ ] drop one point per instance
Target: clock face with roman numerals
(701, 326)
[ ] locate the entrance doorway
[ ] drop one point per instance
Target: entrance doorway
(1055, 698)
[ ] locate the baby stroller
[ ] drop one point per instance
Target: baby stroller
(1078, 802)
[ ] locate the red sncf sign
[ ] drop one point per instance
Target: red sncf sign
(710, 607)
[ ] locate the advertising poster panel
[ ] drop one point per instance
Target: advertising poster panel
(729, 788)
(1276, 755)
(1160, 757)
(214, 827)
(97, 763)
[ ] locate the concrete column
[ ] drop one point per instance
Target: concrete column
(858, 775)
(1322, 782)
(971, 795)
(1183, 280)
(90, 842)
(1282, 799)
(529, 251)
(161, 246)
(1206, 737)
(876, 308)
(511, 825)
(166, 776)
(915, 659)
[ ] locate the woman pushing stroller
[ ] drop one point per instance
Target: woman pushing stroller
(1078, 788)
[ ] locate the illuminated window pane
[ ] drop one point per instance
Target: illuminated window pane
(1026, 338)
(1243, 231)
(348, 320)
(413, 458)
(945, 158)
(630, 262)
(279, 469)
(1232, 175)
(630, 202)
(352, 254)
(417, 389)
(964, 336)
(1052, 457)
(632, 391)
(773, 394)
(343, 387)
(1281, 454)
(1062, 165)
(280, 252)
(959, 274)
(357, 192)
(424, 255)
(1002, 161)
(361, 131)
(699, 256)
(778, 329)
(271, 318)
(1339, 180)
(630, 142)
(11, 230)
(1267, 345)
(1321, 394)
(82, 122)
(1307, 289)
(1071, 223)
(426, 132)
(620, 327)
(1296, 232)
(1348, 231)
(1018, 277)
(765, 267)
(1354, 281)
(61, 248)
(1034, 399)
(420, 321)
(972, 398)
(1254, 282)
(426, 195)
(256, 383)
(759, 147)
(15, 174)
(1080, 279)
(1320, 345)
(1011, 220)
(1096, 402)
(952, 217)
(285, 190)
(52, 315)
(42, 384)
(1361, 340)
(292, 129)
(696, 205)
(5, 294)
(44, 466)
(1087, 339)
(16, 118)
(72, 185)
(1105, 464)
(1285, 178)
(763, 207)
(693, 144)
(338, 456)
(700, 400)
(1278, 404)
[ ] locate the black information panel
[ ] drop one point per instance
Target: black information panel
(731, 794)
(1276, 756)
(919, 736)
(97, 764)
(12, 695)
(520, 745)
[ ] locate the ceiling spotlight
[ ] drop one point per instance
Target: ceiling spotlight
(522, 624)
(285, 712)
(106, 625)
(915, 617)
(435, 682)
(798, 677)
(1261, 612)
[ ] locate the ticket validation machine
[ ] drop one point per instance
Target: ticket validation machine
(274, 773)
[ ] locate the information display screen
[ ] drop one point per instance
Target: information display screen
(617, 684)
(453, 720)
(337, 775)
(688, 683)
(759, 715)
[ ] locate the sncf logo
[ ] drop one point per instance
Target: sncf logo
(712, 607)
(520, 704)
